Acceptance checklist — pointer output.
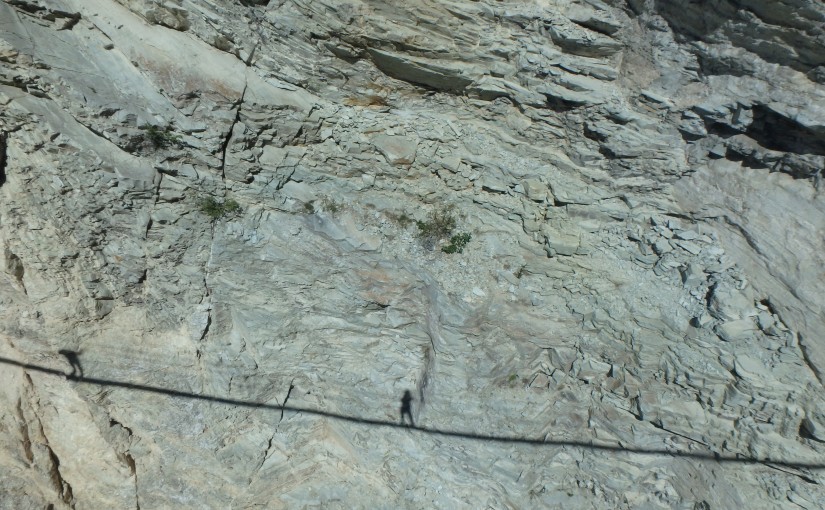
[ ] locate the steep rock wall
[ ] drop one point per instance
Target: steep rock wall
(635, 321)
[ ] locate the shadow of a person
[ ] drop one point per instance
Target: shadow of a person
(406, 407)
(73, 357)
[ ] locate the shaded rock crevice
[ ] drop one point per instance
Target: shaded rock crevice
(4, 155)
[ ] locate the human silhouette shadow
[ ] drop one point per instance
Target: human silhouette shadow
(406, 408)
(73, 357)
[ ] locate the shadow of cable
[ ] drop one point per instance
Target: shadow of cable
(774, 463)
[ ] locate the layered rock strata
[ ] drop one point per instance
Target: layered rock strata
(215, 210)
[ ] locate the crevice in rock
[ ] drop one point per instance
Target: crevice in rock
(248, 60)
(558, 105)
(115, 423)
(768, 133)
(680, 216)
(4, 139)
(803, 476)
(375, 305)
(709, 295)
(493, 190)
(26, 7)
(294, 140)
(266, 454)
(148, 228)
(807, 359)
(24, 432)
(208, 324)
(225, 145)
(283, 405)
(72, 19)
(767, 304)
(747, 160)
(130, 462)
(63, 488)
(255, 3)
(658, 424)
(805, 433)
(744, 233)
(779, 133)
(424, 380)
(15, 267)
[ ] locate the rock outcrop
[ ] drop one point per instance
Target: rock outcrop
(587, 236)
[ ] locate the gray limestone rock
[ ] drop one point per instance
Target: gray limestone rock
(219, 287)
(398, 150)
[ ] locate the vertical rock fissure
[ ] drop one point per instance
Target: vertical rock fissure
(24, 432)
(225, 146)
(133, 467)
(63, 488)
(288, 393)
(208, 323)
(4, 138)
(16, 268)
(803, 347)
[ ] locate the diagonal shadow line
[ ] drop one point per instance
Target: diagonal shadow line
(434, 431)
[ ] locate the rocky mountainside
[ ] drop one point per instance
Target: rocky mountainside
(588, 237)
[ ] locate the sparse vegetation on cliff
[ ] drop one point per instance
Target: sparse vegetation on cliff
(160, 138)
(440, 225)
(216, 209)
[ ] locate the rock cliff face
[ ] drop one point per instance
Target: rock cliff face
(233, 220)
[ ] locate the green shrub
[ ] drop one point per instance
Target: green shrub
(216, 210)
(403, 220)
(439, 225)
(160, 138)
(309, 207)
(457, 243)
(329, 205)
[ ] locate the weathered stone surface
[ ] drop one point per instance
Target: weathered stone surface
(433, 74)
(214, 209)
(398, 150)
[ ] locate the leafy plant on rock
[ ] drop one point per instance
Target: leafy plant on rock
(440, 225)
(160, 138)
(457, 243)
(330, 205)
(216, 210)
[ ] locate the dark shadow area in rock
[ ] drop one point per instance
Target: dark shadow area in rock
(406, 408)
(746, 25)
(73, 357)
(4, 140)
(476, 436)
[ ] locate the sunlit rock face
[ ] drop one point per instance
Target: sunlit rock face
(587, 237)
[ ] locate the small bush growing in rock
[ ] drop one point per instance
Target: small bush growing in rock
(329, 205)
(440, 225)
(216, 210)
(160, 138)
(457, 243)
(403, 220)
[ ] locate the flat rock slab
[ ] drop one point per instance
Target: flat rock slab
(398, 150)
